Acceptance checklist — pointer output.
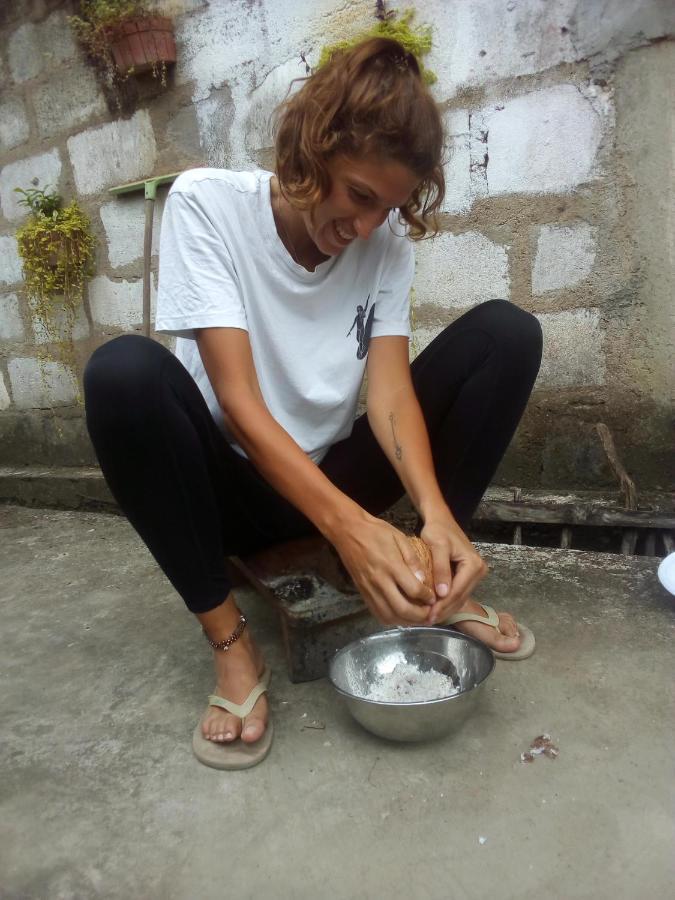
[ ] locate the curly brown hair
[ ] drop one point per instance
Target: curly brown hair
(368, 100)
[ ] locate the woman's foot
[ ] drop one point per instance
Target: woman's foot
(504, 640)
(238, 670)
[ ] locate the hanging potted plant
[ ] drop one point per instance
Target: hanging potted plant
(56, 247)
(126, 37)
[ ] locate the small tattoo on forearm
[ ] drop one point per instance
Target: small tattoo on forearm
(398, 450)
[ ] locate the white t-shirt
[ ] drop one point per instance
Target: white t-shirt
(222, 264)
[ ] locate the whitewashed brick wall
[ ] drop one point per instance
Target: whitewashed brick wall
(4, 395)
(573, 349)
(565, 256)
(14, 127)
(10, 261)
(39, 171)
(41, 384)
(535, 208)
(119, 304)
(528, 141)
(113, 154)
(11, 323)
(457, 271)
(124, 222)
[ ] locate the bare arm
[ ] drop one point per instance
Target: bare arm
(226, 354)
(360, 539)
(397, 422)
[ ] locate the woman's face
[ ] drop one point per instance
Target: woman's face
(362, 194)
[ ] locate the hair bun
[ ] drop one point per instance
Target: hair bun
(393, 52)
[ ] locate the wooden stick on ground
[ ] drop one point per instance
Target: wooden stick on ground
(629, 541)
(566, 538)
(518, 529)
(650, 544)
(627, 483)
(628, 488)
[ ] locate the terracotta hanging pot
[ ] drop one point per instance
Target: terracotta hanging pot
(142, 44)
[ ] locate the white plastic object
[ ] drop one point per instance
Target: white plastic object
(666, 572)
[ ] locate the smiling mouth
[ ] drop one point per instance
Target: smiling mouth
(344, 237)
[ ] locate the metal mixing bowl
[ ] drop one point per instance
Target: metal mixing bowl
(465, 660)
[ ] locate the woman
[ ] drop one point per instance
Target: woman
(282, 290)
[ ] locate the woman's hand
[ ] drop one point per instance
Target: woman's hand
(457, 566)
(382, 564)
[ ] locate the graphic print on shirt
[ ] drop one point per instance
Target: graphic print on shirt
(363, 328)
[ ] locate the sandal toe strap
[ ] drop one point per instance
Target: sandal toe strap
(239, 709)
(490, 618)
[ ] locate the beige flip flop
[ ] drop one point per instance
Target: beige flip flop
(234, 754)
(527, 642)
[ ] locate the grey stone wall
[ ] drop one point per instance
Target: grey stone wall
(560, 196)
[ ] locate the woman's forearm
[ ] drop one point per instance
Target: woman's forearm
(399, 427)
(397, 422)
(227, 358)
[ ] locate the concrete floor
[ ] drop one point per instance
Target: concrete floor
(104, 675)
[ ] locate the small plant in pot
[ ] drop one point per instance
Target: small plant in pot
(126, 37)
(56, 247)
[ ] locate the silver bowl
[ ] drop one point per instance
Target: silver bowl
(465, 660)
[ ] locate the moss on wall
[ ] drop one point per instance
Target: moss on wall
(416, 40)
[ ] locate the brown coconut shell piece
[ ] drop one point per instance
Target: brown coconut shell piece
(426, 563)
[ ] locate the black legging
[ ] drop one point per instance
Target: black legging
(194, 500)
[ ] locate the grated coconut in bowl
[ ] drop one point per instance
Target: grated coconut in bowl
(407, 683)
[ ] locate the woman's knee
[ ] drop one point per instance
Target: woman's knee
(126, 363)
(513, 328)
